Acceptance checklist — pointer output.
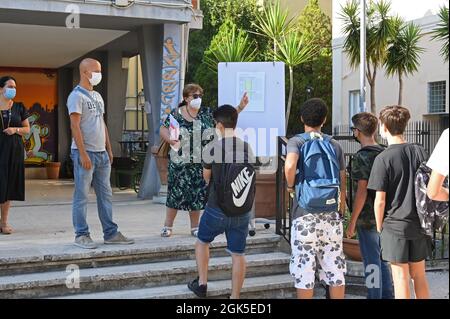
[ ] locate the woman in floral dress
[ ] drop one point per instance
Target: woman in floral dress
(186, 187)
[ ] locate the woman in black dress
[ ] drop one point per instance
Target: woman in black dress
(14, 124)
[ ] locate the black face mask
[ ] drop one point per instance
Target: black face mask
(354, 137)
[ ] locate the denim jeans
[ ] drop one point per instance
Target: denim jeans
(377, 272)
(99, 177)
(214, 222)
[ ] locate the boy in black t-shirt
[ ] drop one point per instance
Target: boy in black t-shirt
(403, 242)
(214, 221)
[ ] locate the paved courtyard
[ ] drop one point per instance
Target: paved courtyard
(45, 220)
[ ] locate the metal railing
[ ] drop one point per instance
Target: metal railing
(425, 133)
(284, 201)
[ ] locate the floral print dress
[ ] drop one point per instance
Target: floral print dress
(186, 187)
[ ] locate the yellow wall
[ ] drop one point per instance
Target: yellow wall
(296, 6)
(134, 86)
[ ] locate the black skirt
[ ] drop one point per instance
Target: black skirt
(12, 168)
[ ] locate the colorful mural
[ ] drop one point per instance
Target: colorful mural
(37, 90)
(171, 70)
(34, 142)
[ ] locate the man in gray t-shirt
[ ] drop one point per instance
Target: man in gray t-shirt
(90, 105)
(92, 157)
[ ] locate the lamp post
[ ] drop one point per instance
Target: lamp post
(141, 103)
(362, 52)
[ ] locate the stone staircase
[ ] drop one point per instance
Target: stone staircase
(152, 268)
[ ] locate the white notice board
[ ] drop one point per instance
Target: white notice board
(263, 120)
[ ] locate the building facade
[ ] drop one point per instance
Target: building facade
(43, 42)
(425, 92)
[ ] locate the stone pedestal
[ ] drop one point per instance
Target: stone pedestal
(162, 163)
(162, 195)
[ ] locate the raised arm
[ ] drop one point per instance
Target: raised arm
(243, 103)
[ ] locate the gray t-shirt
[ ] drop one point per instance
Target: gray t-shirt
(293, 146)
(91, 107)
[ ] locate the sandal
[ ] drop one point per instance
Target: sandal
(166, 231)
(6, 230)
(194, 231)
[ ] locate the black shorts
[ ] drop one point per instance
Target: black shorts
(400, 250)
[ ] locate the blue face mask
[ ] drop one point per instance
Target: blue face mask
(9, 93)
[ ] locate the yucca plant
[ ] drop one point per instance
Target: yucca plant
(441, 32)
(379, 30)
(273, 22)
(404, 52)
(229, 45)
(293, 51)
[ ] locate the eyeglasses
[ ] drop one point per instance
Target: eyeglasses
(196, 96)
(354, 128)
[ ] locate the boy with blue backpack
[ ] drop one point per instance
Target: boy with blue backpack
(315, 172)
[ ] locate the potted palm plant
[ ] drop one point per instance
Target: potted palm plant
(351, 245)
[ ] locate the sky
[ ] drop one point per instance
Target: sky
(408, 9)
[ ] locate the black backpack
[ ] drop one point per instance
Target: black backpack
(236, 187)
(433, 214)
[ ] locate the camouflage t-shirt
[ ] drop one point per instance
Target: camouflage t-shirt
(361, 165)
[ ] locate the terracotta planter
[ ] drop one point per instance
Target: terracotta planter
(351, 249)
(162, 163)
(266, 195)
(53, 169)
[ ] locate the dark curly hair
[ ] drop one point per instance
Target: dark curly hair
(314, 112)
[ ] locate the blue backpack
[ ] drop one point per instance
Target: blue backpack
(318, 179)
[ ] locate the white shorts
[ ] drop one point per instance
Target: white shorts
(316, 243)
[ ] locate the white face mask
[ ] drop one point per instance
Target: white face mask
(196, 103)
(96, 78)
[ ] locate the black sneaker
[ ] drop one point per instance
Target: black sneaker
(198, 290)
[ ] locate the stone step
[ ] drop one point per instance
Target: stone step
(145, 250)
(39, 285)
(265, 287)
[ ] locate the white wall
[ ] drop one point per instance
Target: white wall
(408, 9)
(432, 68)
